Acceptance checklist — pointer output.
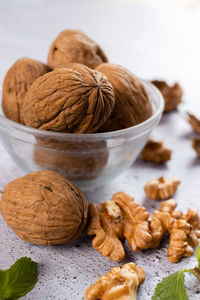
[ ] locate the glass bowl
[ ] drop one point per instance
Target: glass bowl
(90, 160)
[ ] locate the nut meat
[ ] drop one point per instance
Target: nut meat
(44, 208)
(74, 99)
(132, 105)
(155, 152)
(17, 81)
(119, 284)
(172, 94)
(116, 220)
(74, 46)
(161, 188)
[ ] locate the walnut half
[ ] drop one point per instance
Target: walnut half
(118, 284)
(154, 151)
(161, 188)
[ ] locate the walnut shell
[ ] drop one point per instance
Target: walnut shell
(73, 46)
(132, 103)
(72, 159)
(17, 81)
(44, 208)
(75, 99)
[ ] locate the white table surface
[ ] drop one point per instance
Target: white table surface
(153, 42)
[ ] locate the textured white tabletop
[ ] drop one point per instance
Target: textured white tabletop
(153, 42)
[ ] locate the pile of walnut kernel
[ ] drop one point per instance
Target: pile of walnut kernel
(79, 91)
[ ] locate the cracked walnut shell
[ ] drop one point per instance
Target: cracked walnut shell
(154, 151)
(44, 208)
(17, 82)
(74, 46)
(75, 99)
(117, 219)
(119, 284)
(161, 188)
(132, 103)
(196, 145)
(194, 122)
(172, 94)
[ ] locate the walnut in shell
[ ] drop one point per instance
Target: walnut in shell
(74, 46)
(172, 94)
(44, 208)
(155, 151)
(132, 103)
(77, 161)
(196, 145)
(161, 188)
(17, 81)
(75, 99)
(118, 284)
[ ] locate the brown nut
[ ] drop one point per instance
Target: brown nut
(194, 122)
(76, 99)
(74, 46)
(44, 208)
(172, 94)
(132, 103)
(17, 81)
(75, 160)
(196, 145)
(155, 152)
(161, 188)
(118, 284)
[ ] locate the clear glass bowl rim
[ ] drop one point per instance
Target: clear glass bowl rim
(134, 130)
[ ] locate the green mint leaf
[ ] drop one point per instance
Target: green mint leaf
(19, 279)
(171, 287)
(198, 256)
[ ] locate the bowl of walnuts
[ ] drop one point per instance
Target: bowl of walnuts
(78, 114)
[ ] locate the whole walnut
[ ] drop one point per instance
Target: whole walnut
(74, 46)
(17, 81)
(44, 208)
(77, 161)
(132, 103)
(75, 99)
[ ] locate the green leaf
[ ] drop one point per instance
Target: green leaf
(198, 256)
(171, 288)
(19, 279)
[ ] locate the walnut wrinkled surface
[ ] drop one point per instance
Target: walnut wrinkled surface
(44, 208)
(132, 103)
(75, 99)
(74, 46)
(172, 94)
(16, 83)
(117, 219)
(161, 188)
(194, 122)
(75, 160)
(118, 284)
(154, 151)
(196, 145)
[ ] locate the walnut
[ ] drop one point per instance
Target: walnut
(75, 160)
(132, 105)
(196, 145)
(74, 99)
(194, 122)
(155, 152)
(74, 46)
(44, 208)
(116, 220)
(184, 230)
(119, 284)
(161, 188)
(17, 81)
(172, 94)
